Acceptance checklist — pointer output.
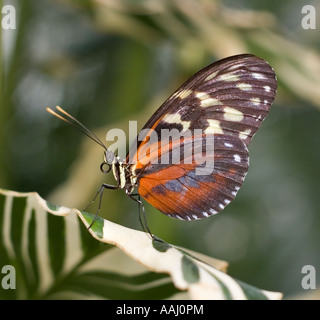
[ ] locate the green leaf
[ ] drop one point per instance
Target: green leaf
(56, 256)
(190, 270)
(160, 245)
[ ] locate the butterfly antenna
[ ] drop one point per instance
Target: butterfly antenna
(66, 117)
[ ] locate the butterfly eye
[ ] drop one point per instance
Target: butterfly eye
(103, 165)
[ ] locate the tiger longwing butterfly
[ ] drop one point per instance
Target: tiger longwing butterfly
(222, 106)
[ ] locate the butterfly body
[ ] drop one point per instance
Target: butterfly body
(125, 178)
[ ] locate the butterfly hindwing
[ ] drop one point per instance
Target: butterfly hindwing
(196, 189)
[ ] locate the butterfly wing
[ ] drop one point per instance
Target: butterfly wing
(180, 191)
(227, 100)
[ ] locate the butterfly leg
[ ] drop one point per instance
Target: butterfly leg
(103, 186)
(136, 198)
(101, 189)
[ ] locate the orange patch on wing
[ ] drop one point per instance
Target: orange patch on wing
(135, 156)
(154, 152)
(172, 192)
(160, 202)
(169, 173)
(168, 203)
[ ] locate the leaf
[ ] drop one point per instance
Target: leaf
(55, 257)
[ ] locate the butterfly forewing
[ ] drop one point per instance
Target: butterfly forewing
(227, 100)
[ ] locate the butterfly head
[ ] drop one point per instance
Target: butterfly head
(110, 161)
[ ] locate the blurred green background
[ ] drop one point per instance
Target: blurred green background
(111, 61)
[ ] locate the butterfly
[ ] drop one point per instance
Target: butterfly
(195, 175)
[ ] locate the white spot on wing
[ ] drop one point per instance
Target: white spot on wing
(202, 95)
(212, 211)
(244, 86)
(176, 119)
(231, 114)
(214, 127)
(259, 118)
(258, 76)
(228, 145)
(206, 214)
(255, 101)
(211, 76)
(206, 100)
(266, 88)
(229, 77)
(237, 158)
(185, 93)
(236, 66)
(244, 134)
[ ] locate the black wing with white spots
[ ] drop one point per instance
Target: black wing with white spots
(227, 100)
